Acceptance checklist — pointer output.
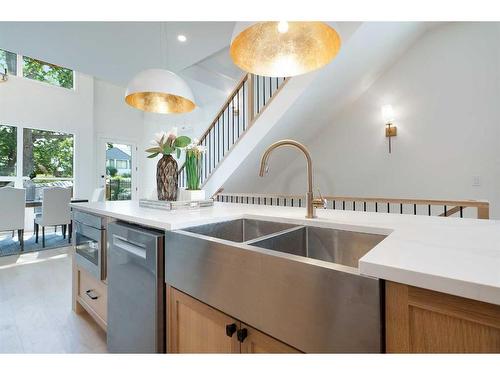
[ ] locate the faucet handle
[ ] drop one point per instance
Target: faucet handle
(320, 202)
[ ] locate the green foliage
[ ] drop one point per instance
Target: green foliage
(111, 171)
(193, 165)
(8, 156)
(52, 153)
(182, 141)
(45, 72)
(168, 144)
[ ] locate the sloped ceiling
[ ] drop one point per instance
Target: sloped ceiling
(116, 51)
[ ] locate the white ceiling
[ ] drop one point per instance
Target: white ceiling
(116, 51)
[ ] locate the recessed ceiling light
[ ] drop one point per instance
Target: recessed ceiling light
(181, 38)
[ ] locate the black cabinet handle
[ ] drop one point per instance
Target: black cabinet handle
(231, 329)
(242, 334)
(90, 293)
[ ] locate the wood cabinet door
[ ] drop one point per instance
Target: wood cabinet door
(194, 327)
(423, 321)
(257, 342)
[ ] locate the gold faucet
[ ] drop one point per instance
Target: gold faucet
(310, 201)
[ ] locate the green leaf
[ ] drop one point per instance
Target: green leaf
(182, 141)
(153, 155)
(154, 149)
(167, 150)
(178, 151)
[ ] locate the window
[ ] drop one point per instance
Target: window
(47, 159)
(47, 154)
(8, 150)
(46, 72)
(8, 60)
(36, 69)
(121, 164)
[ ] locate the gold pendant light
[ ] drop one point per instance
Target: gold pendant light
(159, 91)
(283, 49)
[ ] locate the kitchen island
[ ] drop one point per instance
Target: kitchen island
(438, 272)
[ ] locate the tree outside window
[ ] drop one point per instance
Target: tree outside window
(46, 72)
(47, 154)
(8, 150)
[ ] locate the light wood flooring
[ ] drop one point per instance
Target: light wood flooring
(35, 307)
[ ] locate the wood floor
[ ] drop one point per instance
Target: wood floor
(35, 307)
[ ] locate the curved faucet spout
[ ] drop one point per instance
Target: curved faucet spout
(291, 143)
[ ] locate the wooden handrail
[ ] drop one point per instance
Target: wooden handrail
(456, 206)
(226, 104)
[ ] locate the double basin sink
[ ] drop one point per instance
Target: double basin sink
(297, 283)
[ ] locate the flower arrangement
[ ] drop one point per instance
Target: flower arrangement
(168, 143)
(194, 164)
(167, 169)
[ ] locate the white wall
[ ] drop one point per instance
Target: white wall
(445, 91)
(29, 103)
(115, 121)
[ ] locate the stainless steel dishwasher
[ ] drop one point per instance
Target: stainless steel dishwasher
(136, 292)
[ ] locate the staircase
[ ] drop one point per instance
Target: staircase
(249, 99)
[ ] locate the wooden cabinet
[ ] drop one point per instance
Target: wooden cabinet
(423, 321)
(90, 294)
(195, 327)
(257, 342)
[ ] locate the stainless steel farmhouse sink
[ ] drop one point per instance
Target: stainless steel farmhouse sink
(330, 245)
(239, 230)
(299, 284)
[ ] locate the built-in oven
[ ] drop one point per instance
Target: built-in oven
(89, 234)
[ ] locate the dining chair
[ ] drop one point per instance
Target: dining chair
(98, 195)
(55, 211)
(13, 203)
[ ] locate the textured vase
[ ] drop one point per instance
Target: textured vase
(166, 178)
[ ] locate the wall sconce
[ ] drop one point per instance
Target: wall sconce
(390, 129)
(3, 76)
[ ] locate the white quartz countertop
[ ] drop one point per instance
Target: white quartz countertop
(450, 255)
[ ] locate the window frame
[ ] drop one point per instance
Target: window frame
(20, 71)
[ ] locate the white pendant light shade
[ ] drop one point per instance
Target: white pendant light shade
(283, 49)
(160, 91)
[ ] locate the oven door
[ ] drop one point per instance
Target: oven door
(89, 249)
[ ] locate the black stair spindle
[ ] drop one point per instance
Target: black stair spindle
(243, 106)
(364, 206)
(263, 92)
(343, 205)
(257, 92)
(414, 209)
(238, 113)
(461, 211)
(376, 206)
(223, 142)
(270, 87)
(388, 208)
(401, 208)
(445, 211)
(429, 209)
(354, 205)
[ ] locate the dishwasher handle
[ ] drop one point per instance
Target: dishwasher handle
(129, 247)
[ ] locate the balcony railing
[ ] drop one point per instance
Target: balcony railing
(429, 207)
